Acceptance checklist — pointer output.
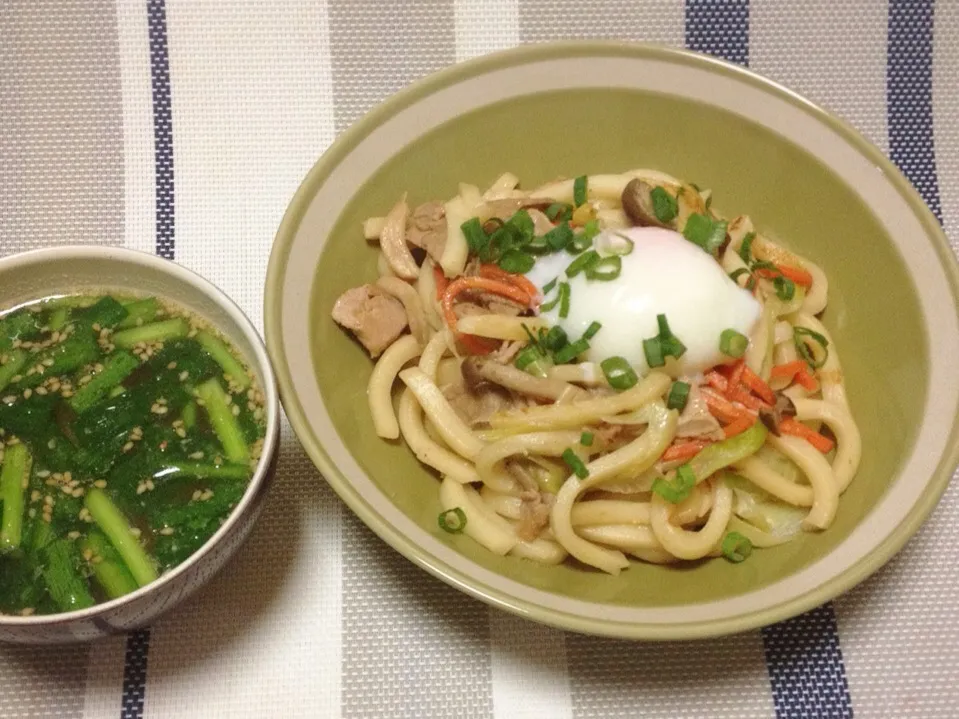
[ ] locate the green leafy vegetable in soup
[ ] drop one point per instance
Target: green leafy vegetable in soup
(129, 430)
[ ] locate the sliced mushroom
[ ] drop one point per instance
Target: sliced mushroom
(638, 204)
(783, 408)
(478, 370)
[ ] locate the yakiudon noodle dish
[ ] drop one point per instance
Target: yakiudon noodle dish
(606, 368)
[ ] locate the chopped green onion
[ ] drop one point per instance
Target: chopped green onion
(579, 243)
(538, 246)
(559, 237)
(785, 288)
(586, 439)
(608, 268)
(745, 249)
(579, 190)
(584, 262)
(555, 339)
(575, 463)
(733, 343)
(736, 547)
(763, 265)
(452, 520)
(476, 238)
(799, 333)
(564, 299)
(532, 361)
(559, 211)
(619, 373)
(500, 242)
(678, 489)
(522, 227)
(547, 306)
(517, 262)
(548, 287)
(663, 345)
(591, 229)
(736, 274)
(678, 396)
(617, 244)
(709, 234)
(591, 331)
(571, 351)
(665, 206)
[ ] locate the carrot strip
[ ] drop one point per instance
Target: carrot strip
(720, 407)
(461, 284)
(736, 376)
(788, 369)
(493, 272)
(472, 343)
(757, 386)
(714, 379)
(684, 450)
(796, 274)
(738, 394)
(439, 278)
(797, 429)
(739, 426)
(804, 377)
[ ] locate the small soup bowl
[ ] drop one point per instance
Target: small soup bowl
(42, 273)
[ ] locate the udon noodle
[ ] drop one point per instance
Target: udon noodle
(544, 455)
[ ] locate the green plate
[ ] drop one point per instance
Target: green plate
(799, 173)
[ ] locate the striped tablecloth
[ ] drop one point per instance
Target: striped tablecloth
(183, 127)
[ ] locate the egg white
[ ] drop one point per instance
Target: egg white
(664, 274)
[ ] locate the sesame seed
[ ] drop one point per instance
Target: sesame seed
(51, 444)
(166, 531)
(10, 399)
(66, 489)
(235, 409)
(196, 495)
(41, 391)
(128, 446)
(35, 495)
(27, 611)
(100, 483)
(27, 393)
(136, 532)
(180, 432)
(67, 476)
(73, 535)
(196, 455)
(43, 473)
(88, 554)
(66, 393)
(172, 365)
(32, 512)
(141, 488)
(48, 362)
(86, 378)
(78, 492)
(48, 500)
(150, 485)
(183, 375)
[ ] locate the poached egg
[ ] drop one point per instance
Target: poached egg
(665, 274)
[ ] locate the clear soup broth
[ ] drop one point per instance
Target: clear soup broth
(130, 429)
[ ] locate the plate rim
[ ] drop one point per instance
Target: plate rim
(346, 141)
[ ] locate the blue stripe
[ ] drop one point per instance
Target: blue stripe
(135, 674)
(719, 28)
(803, 656)
(138, 642)
(805, 667)
(909, 96)
(162, 127)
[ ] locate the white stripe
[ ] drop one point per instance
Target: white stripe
(834, 53)
(252, 110)
(530, 678)
(104, 689)
(898, 630)
(252, 97)
(484, 26)
(138, 156)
